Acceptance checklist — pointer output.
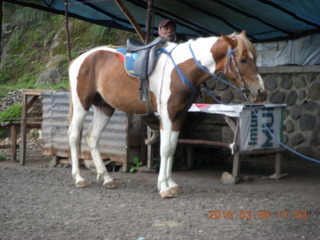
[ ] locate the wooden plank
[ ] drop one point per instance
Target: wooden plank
(13, 143)
(204, 142)
(35, 92)
(5, 146)
(262, 151)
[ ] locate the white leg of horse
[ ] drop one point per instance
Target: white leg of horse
(100, 121)
(174, 189)
(74, 133)
(167, 150)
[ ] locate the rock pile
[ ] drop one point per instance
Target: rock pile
(12, 98)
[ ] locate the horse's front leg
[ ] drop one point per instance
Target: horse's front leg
(167, 187)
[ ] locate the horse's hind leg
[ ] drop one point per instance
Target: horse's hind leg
(74, 132)
(100, 121)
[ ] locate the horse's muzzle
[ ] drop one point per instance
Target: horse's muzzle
(262, 95)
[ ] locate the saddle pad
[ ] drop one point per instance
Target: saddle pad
(128, 60)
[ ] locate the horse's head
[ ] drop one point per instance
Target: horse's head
(236, 56)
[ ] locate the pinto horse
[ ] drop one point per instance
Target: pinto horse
(98, 78)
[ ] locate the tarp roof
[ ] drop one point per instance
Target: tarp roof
(264, 20)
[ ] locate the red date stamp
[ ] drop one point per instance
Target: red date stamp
(263, 214)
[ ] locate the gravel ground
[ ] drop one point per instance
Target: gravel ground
(40, 202)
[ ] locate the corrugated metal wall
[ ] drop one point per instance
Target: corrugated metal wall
(114, 140)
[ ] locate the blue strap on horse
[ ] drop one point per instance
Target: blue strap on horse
(230, 52)
(182, 76)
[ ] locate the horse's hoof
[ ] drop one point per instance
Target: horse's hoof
(110, 185)
(81, 184)
(176, 191)
(166, 194)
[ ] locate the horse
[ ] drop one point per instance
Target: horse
(98, 78)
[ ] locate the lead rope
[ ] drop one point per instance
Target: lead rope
(275, 137)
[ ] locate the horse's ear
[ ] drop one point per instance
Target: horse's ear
(231, 41)
(243, 33)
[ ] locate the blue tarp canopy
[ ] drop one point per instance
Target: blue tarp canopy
(263, 20)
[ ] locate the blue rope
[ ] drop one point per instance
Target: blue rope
(182, 76)
(278, 140)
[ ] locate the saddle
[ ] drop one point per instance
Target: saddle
(145, 62)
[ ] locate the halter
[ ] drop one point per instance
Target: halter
(231, 59)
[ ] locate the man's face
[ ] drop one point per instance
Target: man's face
(167, 29)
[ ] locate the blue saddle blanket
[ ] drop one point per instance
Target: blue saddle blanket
(128, 58)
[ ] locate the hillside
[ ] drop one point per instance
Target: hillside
(34, 49)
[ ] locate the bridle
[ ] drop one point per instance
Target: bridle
(231, 59)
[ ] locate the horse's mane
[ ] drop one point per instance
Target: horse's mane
(244, 45)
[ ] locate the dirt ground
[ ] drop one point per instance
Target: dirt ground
(38, 201)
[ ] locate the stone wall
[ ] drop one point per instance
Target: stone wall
(299, 88)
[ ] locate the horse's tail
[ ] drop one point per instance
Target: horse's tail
(70, 116)
(70, 109)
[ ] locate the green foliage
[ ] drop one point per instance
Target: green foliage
(3, 157)
(13, 113)
(35, 37)
(135, 164)
(20, 15)
(156, 163)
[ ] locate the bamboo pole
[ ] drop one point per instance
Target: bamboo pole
(131, 19)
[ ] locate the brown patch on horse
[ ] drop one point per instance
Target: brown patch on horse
(218, 50)
(103, 73)
(86, 87)
(181, 94)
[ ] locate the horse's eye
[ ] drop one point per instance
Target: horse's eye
(242, 60)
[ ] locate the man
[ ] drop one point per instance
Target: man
(167, 28)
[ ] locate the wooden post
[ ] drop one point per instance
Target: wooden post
(149, 22)
(131, 19)
(67, 29)
(1, 15)
(23, 129)
(14, 142)
(236, 157)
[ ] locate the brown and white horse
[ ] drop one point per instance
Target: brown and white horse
(98, 78)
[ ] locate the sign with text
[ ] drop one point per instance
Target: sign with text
(257, 124)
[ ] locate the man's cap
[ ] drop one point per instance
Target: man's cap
(164, 22)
